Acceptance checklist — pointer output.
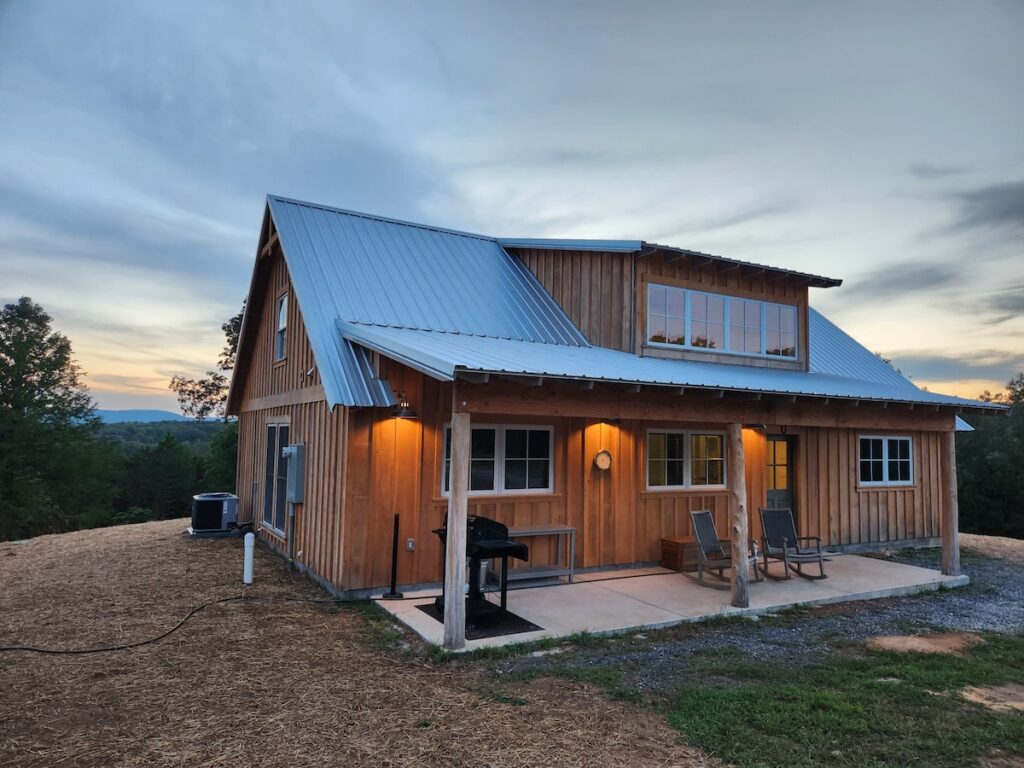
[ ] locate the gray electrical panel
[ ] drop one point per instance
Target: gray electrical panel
(295, 486)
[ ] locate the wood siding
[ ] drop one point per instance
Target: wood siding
(394, 465)
(264, 378)
(605, 294)
(286, 391)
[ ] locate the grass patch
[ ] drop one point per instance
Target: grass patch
(881, 709)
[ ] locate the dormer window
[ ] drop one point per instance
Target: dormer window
(281, 327)
(681, 318)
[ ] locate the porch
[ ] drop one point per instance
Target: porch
(653, 598)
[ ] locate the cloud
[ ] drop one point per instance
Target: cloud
(929, 172)
(993, 365)
(996, 206)
(895, 280)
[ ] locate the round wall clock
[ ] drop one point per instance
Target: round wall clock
(603, 460)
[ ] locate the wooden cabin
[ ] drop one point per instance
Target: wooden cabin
(384, 347)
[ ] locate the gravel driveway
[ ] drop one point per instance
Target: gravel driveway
(659, 661)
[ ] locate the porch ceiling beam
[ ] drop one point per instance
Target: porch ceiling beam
(738, 525)
(473, 377)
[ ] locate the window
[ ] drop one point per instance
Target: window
(707, 328)
(678, 317)
(780, 330)
(886, 461)
(685, 459)
(275, 478)
(505, 459)
(745, 326)
(666, 310)
(281, 329)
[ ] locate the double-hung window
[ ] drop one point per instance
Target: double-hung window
(678, 459)
(281, 327)
(697, 320)
(505, 459)
(886, 460)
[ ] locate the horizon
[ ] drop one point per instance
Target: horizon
(138, 148)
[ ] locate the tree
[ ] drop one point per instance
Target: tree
(989, 459)
(55, 474)
(199, 398)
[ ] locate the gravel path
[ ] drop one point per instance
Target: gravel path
(659, 661)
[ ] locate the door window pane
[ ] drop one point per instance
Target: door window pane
(282, 478)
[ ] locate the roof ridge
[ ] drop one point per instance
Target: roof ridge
(377, 217)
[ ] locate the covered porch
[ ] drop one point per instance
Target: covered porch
(653, 598)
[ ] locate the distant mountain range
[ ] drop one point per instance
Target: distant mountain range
(120, 417)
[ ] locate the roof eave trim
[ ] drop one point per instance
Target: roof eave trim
(566, 244)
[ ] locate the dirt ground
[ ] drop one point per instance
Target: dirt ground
(995, 546)
(258, 681)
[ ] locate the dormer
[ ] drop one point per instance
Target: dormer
(658, 301)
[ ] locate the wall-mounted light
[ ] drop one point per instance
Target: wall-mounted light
(402, 409)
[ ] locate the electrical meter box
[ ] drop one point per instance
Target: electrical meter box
(295, 485)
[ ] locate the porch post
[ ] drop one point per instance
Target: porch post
(455, 545)
(950, 526)
(738, 527)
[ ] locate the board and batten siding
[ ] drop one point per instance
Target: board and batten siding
(605, 294)
(394, 466)
(289, 391)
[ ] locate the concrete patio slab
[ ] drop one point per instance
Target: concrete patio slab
(655, 598)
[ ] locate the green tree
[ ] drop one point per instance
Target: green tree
(54, 473)
(989, 461)
(202, 397)
(159, 481)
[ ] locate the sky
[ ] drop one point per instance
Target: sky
(878, 142)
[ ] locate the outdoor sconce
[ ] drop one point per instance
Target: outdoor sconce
(402, 409)
(603, 460)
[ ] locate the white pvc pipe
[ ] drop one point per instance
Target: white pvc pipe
(250, 545)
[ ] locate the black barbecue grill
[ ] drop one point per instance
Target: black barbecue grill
(486, 539)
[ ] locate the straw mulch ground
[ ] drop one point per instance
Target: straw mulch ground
(259, 681)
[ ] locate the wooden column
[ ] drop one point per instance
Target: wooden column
(455, 547)
(738, 525)
(950, 510)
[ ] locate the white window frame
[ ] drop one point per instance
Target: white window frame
(281, 328)
(687, 461)
(885, 481)
(499, 460)
(724, 350)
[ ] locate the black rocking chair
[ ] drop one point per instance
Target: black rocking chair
(711, 554)
(780, 542)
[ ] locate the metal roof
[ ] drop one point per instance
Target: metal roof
(558, 244)
(367, 269)
(814, 281)
(443, 355)
(442, 301)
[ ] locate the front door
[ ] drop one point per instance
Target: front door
(780, 472)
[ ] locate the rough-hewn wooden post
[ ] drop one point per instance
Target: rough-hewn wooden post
(950, 511)
(455, 547)
(738, 526)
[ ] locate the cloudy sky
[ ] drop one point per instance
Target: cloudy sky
(882, 143)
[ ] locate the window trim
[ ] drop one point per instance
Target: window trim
(281, 331)
(688, 293)
(885, 482)
(687, 461)
(499, 460)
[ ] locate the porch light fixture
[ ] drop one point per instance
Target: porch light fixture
(402, 409)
